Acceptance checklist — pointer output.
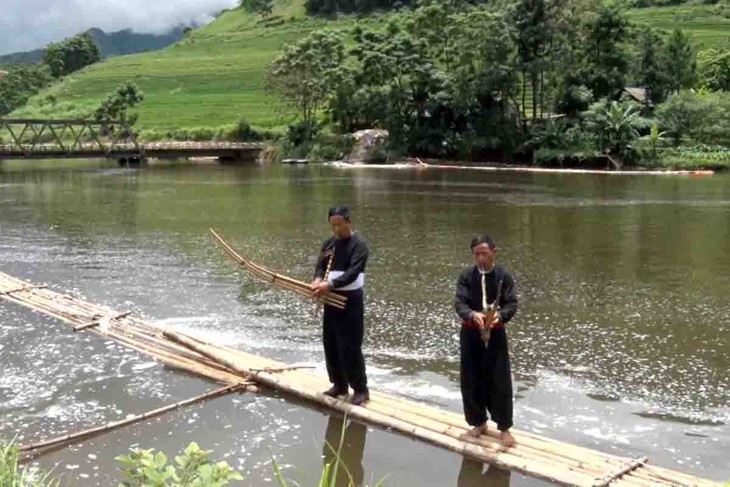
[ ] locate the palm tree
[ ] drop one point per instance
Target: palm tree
(616, 128)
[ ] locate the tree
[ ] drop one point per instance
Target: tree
(616, 128)
(20, 83)
(263, 7)
(301, 74)
(681, 62)
(605, 62)
(571, 95)
(651, 74)
(115, 106)
(534, 32)
(332, 7)
(714, 69)
(395, 81)
(484, 81)
(71, 54)
(702, 117)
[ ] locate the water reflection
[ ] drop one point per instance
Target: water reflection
(472, 474)
(353, 445)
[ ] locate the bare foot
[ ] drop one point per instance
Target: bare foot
(477, 430)
(507, 439)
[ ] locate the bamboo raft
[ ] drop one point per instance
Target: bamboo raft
(537, 456)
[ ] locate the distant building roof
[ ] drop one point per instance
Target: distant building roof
(638, 94)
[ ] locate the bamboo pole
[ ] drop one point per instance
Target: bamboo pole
(134, 419)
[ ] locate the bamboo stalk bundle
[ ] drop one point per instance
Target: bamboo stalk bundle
(533, 455)
(112, 425)
(280, 280)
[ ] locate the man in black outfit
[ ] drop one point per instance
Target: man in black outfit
(344, 255)
(486, 380)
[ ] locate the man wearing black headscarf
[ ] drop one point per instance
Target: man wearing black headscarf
(486, 379)
(344, 255)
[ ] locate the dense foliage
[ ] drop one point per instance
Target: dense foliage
(72, 54)
(456, 78)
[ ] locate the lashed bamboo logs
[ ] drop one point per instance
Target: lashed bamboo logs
(142, 336)
(533, 455)
(632, 465)
(22, 288)
(433, 433)
(112, 425)
(282, 281)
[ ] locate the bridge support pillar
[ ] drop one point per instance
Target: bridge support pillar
(132, 161)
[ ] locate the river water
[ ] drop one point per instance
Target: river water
(621, 342)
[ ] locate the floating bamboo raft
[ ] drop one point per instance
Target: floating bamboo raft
(540, 457)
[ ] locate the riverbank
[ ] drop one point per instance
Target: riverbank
(423, 165)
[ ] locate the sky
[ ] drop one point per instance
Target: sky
(30, 24)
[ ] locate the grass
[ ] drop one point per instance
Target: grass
(13, 475)
(215, 76)
(210, 79)
(708, 25)
(696, 157)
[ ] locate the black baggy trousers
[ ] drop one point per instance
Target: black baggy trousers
(342, 336)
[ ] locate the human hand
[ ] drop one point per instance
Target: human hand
(320, 289)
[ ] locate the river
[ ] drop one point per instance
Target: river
(621, 342)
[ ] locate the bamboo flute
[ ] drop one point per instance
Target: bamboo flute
(318, 306)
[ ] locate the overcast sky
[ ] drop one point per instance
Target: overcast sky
(30, 24)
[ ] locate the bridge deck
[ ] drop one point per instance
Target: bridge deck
(234, 150)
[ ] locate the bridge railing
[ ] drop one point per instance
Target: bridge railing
(27, 136)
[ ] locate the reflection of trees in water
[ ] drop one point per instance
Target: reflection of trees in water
(472, 474)
(351, 452)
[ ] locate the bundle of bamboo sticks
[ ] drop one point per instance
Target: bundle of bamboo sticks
(284, 282)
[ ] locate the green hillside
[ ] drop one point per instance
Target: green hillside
(215, 76)
(709, 25)
(210, 79)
